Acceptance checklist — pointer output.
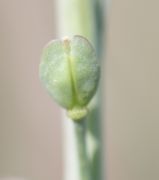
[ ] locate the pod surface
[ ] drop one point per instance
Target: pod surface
(70, 71)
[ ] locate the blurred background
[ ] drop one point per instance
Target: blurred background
(30, 122)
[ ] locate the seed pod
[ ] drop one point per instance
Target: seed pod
(70, 72)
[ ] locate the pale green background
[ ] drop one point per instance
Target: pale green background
(30, 124)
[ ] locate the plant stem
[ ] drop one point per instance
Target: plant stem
(76, 17)
(84, 17)
(80, 131)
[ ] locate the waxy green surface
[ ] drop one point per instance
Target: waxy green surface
(70, 72)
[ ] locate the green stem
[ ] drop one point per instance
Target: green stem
(85, 17)
(76, 17)
(80, 131)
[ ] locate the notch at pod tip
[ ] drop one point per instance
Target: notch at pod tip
(70, 72)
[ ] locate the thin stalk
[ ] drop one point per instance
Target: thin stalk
(76, 17)
(80, 131)
(84, 17)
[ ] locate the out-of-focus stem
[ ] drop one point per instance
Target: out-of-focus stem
(76, 17)
(80, 131)
(84, 17)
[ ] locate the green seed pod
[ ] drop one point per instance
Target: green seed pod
(70, 72)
